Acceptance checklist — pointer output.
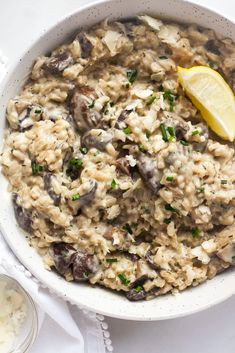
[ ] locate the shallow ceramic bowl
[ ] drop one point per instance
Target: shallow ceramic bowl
(99, 299)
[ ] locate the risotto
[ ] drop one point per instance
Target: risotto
(115, 177)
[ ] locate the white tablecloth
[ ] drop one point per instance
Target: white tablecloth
(212, 331)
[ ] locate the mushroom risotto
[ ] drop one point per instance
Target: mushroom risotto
(115, 177)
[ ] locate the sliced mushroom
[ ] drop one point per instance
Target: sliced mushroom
(122, 117)
(180, 132)
(84, 116)
(212, 45)
(149, 172)
(23, 216)
(84, 265)
(227, 254)
(57, 63)
(62, 255)
(135, 295)
(149, 260)
(48, 187)
(85, 44)
(87, 198)
(123, 165)
(96, 138)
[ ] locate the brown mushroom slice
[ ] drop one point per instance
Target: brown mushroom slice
(84, 265)
(85, 116)
(62, 256)
(96, 138)
(123, 165)
(23, 216)
(85, 44)
(136, 294)
(212, 45)
(227, 254)
(57, 63)
(149, 172)
(48, 187)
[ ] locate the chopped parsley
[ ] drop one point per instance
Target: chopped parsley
(38, 111)
(131, 75)
(169, 178)
(36, 168)
(138, 289)
(171, 131)
(195, 232)
(127, 130)
(233, 258)
(171, 107)
(83, 150)
(127, 227)
(151, 99)
(164, 133)
(184, 143)
(76, 197)
(148, 134)
(92, 104)
(168, 207)
(111, 261)
(200, 190)
(123, 279)
(167, 221)
(113, 184)
(195, 132)
(169, 96)
(74, 167)
(142, 148)
(163, 57)
(224, 181)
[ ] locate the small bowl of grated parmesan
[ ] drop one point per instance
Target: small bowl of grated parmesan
(18, 317)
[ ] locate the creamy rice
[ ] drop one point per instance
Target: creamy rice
(115, 176)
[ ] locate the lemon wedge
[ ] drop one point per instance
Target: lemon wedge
(211, 95)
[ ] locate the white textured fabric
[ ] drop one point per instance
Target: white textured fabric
(68, 328)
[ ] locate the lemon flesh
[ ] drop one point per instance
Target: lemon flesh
(211, 95)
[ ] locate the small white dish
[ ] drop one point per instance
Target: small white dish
(29, 328)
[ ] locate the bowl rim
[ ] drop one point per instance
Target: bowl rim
(57, 291)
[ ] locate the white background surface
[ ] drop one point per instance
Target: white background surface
(212, 331)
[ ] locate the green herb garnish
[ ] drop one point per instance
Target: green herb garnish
(171, 131)
(37, 111)
(224, 181)
(36, 168)
(171, 107)
(195, 132)
(123, 279)
(132, 75)
(168, 95)
(167, 220)
(151, 100)
(138, 289)
(163, 57)
(195, 232)
(127, 227)
(127, 130)
(83, 150)
(184, 143)
(233, 258)
(74, 167)
(76, 197)
(168, 207)
(113, 184)
(92, 104)
(148, 134)
(164, 133)
(169, 178)
(142, 148)
(111, 261)
(200, 190)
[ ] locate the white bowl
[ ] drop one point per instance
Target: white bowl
(98, 299)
